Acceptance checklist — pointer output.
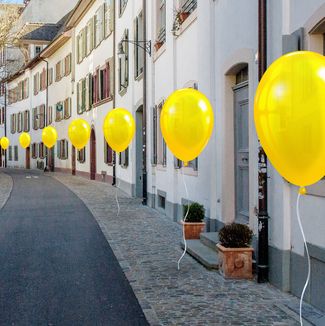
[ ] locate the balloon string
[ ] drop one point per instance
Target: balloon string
(116, 198)
(185, 217)
(308, 259)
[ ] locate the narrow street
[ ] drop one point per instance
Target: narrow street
(68, 259)
(56, 266)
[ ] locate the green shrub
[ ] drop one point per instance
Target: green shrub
(235, 236)
(196, 213)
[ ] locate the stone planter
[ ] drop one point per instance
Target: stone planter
(235, 262)
(193, 230)
(183, 16)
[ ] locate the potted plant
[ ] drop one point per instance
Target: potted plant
(193, 224)
(235, 252)
(158, 44)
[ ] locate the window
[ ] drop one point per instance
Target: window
(10, 153)
(34, 151)
(41, 116)
(43, 80)
(109, 17)
(108, 153)
(124, 64)
(58, 70)
(67, 108)
(62, 149)
(16, 153)
(124, 158)
(13, 123)
(50, 72)
(187, 6)
(81, 155)
(35, 118)
(161, 201)
(36, 83)
(90, 35)
(67, 65)
(139, 53)
(26, 121)
(42, 151)
(59, 113)
(161, 23)
(159, 144)
(2, 115)
(122, 5)
(20, 122)
(79, 48)
(38, 50)
(89, 92)
(49, 115)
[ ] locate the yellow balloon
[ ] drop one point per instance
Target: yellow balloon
(119, 129)
(186, 123)
(290, 116)
(79, 133)
(4, 143)
(24, 140)
(49, 136)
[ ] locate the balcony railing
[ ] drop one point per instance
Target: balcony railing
(189, 6)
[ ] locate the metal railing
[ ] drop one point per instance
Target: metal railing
(189, 6)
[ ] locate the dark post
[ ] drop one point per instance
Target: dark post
(263, 246)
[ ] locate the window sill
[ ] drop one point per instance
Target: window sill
(190, 19)
(160, 167)
(123, 91)
(159, 53)
(139, 77)
(106, 100)
(189, 171)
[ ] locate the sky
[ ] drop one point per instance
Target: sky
(14, 1)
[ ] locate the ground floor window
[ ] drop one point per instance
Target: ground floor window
(124, 158)
(81, 155)
(34, 151)
(62, 149)
(10, 153)
(16, 153)
(42, 151)
(108, 154)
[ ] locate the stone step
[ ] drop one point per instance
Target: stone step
(210, 239)
(203, 254)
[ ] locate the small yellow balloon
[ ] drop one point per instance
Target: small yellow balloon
(119, 129)
(290, 116)
(49, 136)
(4, 143)
(24, 140)
(79, 133)
(186, 123)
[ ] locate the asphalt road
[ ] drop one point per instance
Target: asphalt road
(56, 267)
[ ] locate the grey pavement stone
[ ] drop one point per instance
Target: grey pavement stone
(146, 243)
(6, 184)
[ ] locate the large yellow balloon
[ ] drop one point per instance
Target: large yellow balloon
(24, 140)
(49, 136)
(79, 133)
(290, 116)
(186, 123)
(119, 129)
(4, 143)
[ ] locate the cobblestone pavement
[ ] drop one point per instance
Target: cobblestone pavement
(146, 244)
(5, 188)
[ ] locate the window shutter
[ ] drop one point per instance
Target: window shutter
(293, 42)
(90, 90)
(58, 149)
(154, 135)
(105, 151)
(177, 163)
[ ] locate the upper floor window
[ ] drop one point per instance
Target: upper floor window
(139, 53)
(123, 63)
(99, 25)
(2, 115)
(161, 24)
(122, 5)
(38, 50)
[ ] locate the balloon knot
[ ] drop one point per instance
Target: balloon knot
(302, 191)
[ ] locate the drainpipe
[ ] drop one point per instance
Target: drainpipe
(144, 113)
(5, 121)
(263, 246)
(114, 89)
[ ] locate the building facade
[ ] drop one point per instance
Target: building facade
(94, 65)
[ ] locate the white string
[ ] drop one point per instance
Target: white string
(116, 198)
(308, 259)
(185, 217)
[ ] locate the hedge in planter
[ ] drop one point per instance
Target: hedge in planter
(194, 225)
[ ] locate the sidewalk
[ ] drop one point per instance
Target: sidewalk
(146, 244)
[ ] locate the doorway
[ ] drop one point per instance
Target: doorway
(73, 160)
(27, 158)
(93, 155)
(241, 137)
(139, 152)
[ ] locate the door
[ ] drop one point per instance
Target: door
(139, 153)
(241, 152)
(28, 158)
(73, 160)
(92, 155)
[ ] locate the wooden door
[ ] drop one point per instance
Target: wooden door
(241, 129)
(28, 158)
(73, 162)
(93, 155)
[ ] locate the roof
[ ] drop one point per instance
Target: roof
(39, 32)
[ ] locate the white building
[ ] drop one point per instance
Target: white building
(95, 65)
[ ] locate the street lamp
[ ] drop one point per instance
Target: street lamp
(145, 45)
